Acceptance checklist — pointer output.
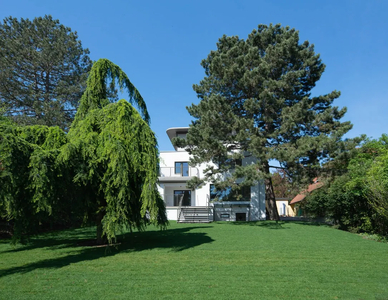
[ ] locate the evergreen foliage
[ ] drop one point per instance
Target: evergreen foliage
(27, 156)
(97, 93)
(104, 171)
(43, 71)
(256, 100)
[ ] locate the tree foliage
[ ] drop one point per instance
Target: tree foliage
(256, 100)
(23, 151)
(43, 71)
(282, 185)
(104, 171)
(357, 200)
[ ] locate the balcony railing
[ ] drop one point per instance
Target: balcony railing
(170, 172)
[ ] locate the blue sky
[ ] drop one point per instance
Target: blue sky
(160, 45)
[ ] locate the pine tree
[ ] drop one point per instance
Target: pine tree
(43, 71)
(256, 100)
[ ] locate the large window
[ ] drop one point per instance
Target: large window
(182, 196)
(229, 195)
(182, 168)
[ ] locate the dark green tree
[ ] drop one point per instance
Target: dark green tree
(43, 71)
(256, 100)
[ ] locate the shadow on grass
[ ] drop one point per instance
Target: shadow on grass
(176, 240)
(53, 240)
(263, 224)
(311, 223)
(281, 224)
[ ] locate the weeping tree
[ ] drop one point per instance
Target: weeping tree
(103, 171)
(27, 159)
(114, 156)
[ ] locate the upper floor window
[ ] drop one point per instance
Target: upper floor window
(182, 168)
(181, 134)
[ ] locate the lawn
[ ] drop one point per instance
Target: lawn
(260, 260)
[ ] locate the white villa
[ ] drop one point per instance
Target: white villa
(185, 205)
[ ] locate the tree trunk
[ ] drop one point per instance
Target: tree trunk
(100, 238)
(270, 201)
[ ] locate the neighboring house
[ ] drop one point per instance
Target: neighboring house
(300, 197)
(284, 208)
(199, 205)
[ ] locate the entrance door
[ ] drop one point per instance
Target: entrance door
(184, 195)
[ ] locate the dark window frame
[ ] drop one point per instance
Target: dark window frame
(229, 195)
(181, 169)
(185, 202)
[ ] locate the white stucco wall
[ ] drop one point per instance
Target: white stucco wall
(171, 181)
(258, 202)
(167, 165)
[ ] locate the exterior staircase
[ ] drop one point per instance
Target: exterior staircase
(194, 214)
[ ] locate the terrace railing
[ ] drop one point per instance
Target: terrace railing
(170, 172)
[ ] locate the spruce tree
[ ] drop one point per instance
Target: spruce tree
(43, 71)
(256, 99)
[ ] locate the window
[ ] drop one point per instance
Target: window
(229, 195)
(181, 134)
(182, 196)
(182, 168)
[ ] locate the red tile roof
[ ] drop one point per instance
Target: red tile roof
(311, 187)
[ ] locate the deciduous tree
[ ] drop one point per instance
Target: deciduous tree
(357, 199)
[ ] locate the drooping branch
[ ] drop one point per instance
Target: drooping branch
(95, 95)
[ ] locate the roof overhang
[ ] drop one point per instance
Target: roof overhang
(172, 132)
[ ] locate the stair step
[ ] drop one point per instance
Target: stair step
(194, 214)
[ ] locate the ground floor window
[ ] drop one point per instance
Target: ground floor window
(183, 196)
(229, 195)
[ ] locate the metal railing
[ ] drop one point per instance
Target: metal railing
(170, 172)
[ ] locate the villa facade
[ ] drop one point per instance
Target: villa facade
(200, 205)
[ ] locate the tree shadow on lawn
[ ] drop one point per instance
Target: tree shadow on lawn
(53, 240)
(279, 224)
(176, 240)
(263, 224)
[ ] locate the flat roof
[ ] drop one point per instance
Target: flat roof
(171, 132)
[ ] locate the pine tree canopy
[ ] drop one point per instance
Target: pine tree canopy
(104, 171)
(43, 71)
(256, 99)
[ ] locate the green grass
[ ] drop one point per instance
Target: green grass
(188, 261)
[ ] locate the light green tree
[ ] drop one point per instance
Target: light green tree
(103, 171)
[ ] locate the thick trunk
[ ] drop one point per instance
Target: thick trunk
(270, 201)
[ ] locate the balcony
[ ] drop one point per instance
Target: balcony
(167, 174)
